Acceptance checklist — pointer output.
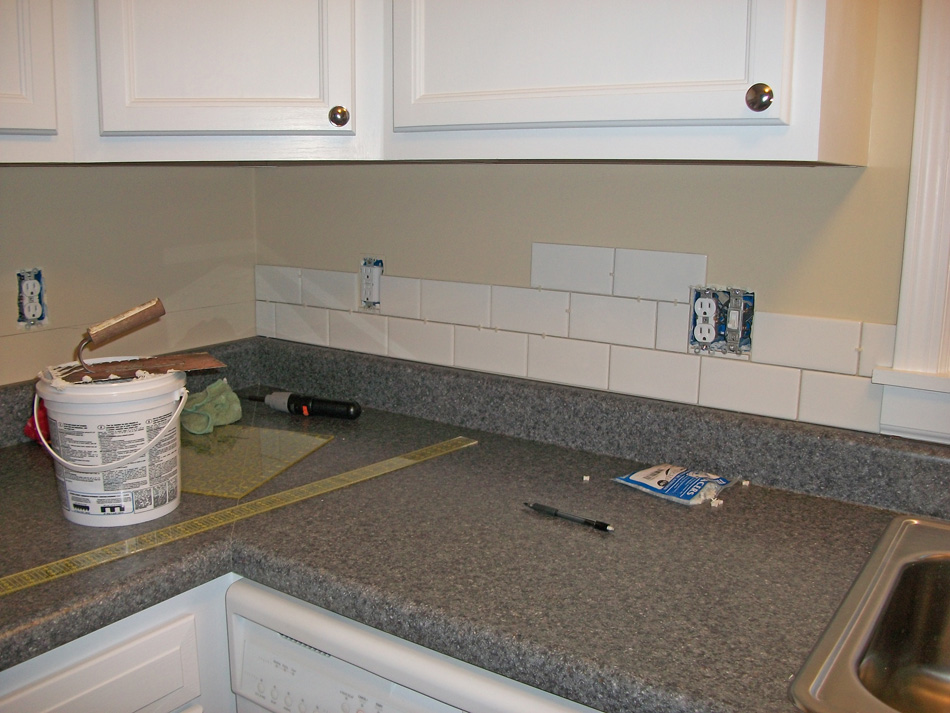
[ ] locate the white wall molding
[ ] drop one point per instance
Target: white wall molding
(922, 346)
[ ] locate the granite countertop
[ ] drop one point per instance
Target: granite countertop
(679, 609)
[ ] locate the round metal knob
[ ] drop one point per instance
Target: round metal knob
(759, 97)
(339, 116)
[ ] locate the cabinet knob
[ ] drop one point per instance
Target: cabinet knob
(339, 116)
(759, 97)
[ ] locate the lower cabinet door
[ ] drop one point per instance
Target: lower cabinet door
(155, 672)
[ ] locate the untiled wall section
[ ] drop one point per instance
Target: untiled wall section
(601, 318)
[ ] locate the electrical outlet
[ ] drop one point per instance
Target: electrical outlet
(721, 320)
(31, 298)
(704, 318)
(704, 333)
(371, 273)
(705, 307)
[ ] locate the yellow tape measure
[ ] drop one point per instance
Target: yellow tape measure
(77, 563)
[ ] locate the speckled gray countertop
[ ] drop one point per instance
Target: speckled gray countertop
(679, 609)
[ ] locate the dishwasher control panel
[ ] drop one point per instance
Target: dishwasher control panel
(289, 656)
(283, 675)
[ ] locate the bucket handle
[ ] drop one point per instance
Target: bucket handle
(183, 399)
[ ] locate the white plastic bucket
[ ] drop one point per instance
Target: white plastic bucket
(116, 445)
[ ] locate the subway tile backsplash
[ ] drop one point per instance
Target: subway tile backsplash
(572, 268)
(600, 318)
(359, 332)
(491, 350)
(519, 309)
(738, 385)
(430, 342)
(454, 302)
(807, 342)
(332, 290)
(614, 320)
(655, 374)
(568, 361)
(657, 275)
(839, 400)
(277, 284)
(403, 297)
(299, 323)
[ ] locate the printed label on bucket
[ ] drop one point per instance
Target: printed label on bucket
(148, 483)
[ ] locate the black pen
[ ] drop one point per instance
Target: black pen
(548, 510)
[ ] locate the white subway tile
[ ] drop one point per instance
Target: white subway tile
(358, 332)
(738, 385)
(657, 275)
(654, 374)
(277, 284)
(430, 342)
(456, 302)
(877, 347)
(572, 268)
(400, 297)
(672, 326)
(841, 401)
(521, 309)
(330, 289)
(615, 320)
(266, 320)
(568, 361)
(491, 350)
(297, 323)
(816, 343)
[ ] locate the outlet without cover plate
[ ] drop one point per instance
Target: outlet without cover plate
(721, 320)
(371, 273)
(31, 298)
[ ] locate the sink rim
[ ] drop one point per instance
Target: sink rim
(828, 680)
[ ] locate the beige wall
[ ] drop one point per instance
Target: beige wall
(112, 237)
(820, 241)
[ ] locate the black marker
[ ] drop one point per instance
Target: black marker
(548, 510)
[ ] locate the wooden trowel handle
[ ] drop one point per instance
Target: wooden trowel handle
(126, 322)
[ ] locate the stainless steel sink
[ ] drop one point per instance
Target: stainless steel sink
(887, 647)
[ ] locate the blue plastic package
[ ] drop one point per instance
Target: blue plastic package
(681, 485)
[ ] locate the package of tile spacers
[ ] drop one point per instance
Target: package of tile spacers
(679, 484)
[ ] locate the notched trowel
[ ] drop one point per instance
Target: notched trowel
(128, 368)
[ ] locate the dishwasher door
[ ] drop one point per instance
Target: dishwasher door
(288, 656)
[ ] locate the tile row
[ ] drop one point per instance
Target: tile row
(646, 274)
(782, 392)
(813, 343)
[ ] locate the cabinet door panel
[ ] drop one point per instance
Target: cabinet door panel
(27, 77)
(224, 66)
(484, 64)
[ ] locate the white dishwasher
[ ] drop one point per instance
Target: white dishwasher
(288, 656)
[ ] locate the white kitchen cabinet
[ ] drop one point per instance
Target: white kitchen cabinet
(169, 657)
(536, 63)
(27, 67)
(255, 80)
(34, 108)
(225, 66)
(632, 79)
(216, 80)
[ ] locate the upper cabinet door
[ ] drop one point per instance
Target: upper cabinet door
(27, 75)
(633, 80)
(478, 64)
(226, 66)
